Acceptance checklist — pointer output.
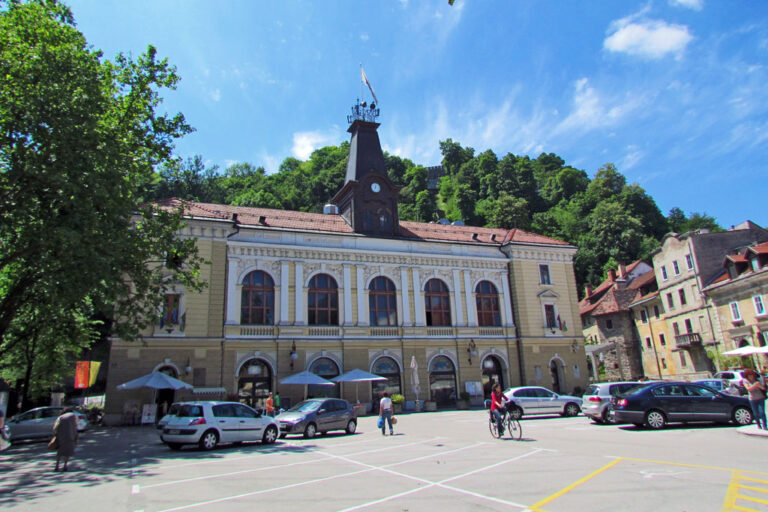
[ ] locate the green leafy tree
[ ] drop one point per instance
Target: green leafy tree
(680, 223)
(510, 212)
(80, 138)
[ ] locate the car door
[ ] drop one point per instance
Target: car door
(527, 399)
(252, 423)
(227, 422)
(339, 414)
(49, 417)
(549, 402)
(673, 401)
(325, 416)
(707, 405)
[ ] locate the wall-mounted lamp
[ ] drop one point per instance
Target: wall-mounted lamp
(293, 354)
(574, 346)
(188, 368)
(471, 350)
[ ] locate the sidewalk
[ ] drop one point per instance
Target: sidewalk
(752, 430)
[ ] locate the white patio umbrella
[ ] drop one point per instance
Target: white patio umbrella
(357, 376)
(306, 378)
(742, 351)
(415, 377)
(155, 380)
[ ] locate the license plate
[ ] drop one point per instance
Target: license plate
(173, 432)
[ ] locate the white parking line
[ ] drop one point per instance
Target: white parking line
(278, 466)
(309, 482)
(441, 484)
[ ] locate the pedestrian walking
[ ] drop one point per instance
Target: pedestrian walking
(270, 406)
(385, 413)
(756, 389)
(65, 434)
(277, 402)
(5, 442)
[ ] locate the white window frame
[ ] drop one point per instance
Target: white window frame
(689, 261)
(676, 267)
(735, 312)
(664, 275)
(544, 316)
(757, 301)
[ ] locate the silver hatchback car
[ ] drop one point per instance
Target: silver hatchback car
(597, 399)
(38, 423)
(209, 423)
(538, 400)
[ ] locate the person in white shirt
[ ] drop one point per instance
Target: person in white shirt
(385, 412)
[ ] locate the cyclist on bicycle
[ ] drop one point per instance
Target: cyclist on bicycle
(497, 406)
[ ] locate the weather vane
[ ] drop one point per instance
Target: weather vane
(363, 111)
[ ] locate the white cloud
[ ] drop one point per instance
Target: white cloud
(592, 110)
(364, 36)
(632, 158)
(651, 39)
(304, 143)
(215, 95)
(696, 5)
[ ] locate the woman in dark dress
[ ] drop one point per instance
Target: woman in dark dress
(65, 431)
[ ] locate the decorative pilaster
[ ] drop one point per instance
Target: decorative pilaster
(418, 299)
(406, 317)
(233, 293)
(284, 293)
(362, 317)
(470, 300)
(299, 292)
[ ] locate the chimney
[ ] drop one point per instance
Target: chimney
(622, 271)
(587, 290)
(611, 275)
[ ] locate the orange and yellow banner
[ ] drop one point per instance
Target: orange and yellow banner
(86, 373)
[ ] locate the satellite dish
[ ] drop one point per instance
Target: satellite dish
(373, 106)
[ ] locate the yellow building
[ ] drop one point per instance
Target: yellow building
(740, 295)
(657, 352)
(355, 287)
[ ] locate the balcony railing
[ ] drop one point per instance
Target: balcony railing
(687, 340)
(385, 331)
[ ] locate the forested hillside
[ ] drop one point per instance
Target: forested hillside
(608, 219)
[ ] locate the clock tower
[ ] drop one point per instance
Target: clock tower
(368, 199)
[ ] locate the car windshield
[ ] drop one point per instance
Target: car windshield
(635, 389)
(592, 390)
(190, 411)
(305, 406)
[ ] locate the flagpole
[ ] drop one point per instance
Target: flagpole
(361, 82)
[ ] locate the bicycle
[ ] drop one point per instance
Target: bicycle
(508, 423)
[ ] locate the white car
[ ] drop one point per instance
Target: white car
(538, 400)
(209, 423)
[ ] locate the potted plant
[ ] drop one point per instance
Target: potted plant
(397, 402)
(463, 401)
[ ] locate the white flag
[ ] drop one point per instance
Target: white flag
(366, 82)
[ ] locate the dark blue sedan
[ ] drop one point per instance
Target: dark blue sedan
(658, 403)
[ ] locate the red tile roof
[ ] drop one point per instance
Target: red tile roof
(760, 249)
(286, 219)
(610, 297)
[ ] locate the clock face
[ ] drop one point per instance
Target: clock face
(375, 187)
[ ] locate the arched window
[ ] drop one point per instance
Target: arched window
(487, 299)
(385, 367)
(436, 303)
(323, 301)
(381, 302)
(258, 299)
(326, 368)
(442, 381)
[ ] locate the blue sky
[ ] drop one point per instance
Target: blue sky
(673, 92)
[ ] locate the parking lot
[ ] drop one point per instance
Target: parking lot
(436, 461)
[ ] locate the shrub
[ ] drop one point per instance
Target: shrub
(397, 399)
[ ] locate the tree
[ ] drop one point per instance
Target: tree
(80, 137)
(679, 223)
(510, 212)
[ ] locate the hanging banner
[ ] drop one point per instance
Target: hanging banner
(94, 372)
(82, 374)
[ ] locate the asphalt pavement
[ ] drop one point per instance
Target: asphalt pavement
(442, 461)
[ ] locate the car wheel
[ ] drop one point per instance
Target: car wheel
(655, 419)
(742, 416)
(605, 418)
(310, 431)
(351, 427)
(174, 446)
(516, 413)
(571, 409)
(270, 435)
(209, 440)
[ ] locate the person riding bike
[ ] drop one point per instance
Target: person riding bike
(497, 407)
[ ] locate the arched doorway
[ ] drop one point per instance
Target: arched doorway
(254, 382)
(326, 368)
(493, 373)
(556, 372)
(442, 381)
(165, 397)
(385, 367)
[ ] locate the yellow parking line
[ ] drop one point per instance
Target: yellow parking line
(535, 506)
(756, 489)
(750, 498)
(717, 468)
(758, 480)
